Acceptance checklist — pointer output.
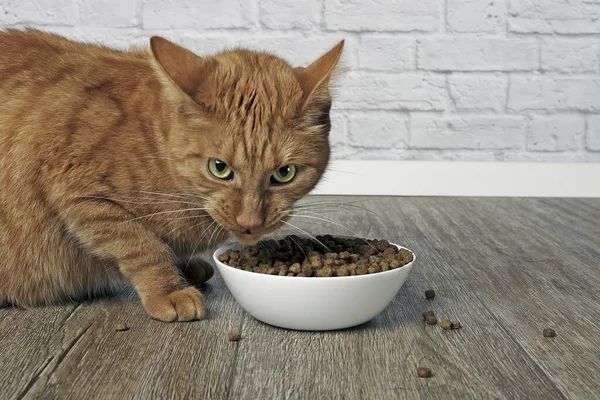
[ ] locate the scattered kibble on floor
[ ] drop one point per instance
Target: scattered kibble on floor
(446, 324)
(430, 294)
(424, 372)
(121, 327)
(456, 325)
(430, 318)
(549, 332)
(234, 336)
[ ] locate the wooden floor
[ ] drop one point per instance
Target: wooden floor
(505, 268)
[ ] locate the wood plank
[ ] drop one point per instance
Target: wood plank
(151, 360)
(379, 359)
(531, 272)
(31, 342)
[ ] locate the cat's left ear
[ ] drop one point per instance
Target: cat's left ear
(187, 70)
(315, 78)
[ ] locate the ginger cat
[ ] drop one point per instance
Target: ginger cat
(121, 164)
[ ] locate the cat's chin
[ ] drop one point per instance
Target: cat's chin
(247, 239)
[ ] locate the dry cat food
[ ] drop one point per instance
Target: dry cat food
(446, 324)
(424, 372)
(121, 327)
(549, 332)
(430, 318)
(323, 256)
(234, 336)
(430, 294)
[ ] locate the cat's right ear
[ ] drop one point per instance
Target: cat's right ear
(187, 70)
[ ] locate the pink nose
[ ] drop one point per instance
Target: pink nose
(249, 225)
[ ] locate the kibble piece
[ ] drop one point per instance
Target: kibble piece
(362, 270)
(390, 251)
(381, 245)
(549, 332)
(296, 268)
(234, 336)
(423, 372)
(344, 255)
(456, 325)
(121, 327)
(404, 256)
(374, 259)
(374, 268)
(252, 261)
(431, 320)
(224, 257)
(385, 266)
(342, 271)
(446, 324)
(325, 272)
(430, 294)
(428, 314)
(395, 264)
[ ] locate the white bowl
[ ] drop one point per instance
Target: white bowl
(312, 303)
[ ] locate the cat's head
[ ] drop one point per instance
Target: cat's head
(251, 132)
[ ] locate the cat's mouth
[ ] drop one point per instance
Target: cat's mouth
(247, 238)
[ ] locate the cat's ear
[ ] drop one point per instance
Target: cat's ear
(187, 70)
(315, 78)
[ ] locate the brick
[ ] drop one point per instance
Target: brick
(110, 13)
(554, 93)
(554, 16)
(339, 129)
(44, 12)
(555, 133)
(592, 138)
(467, 132)
(289, 14)
(383, 53)
(381, 15)
(378, 130)
(570, 55)
(391, 92)
(467, 16)
(196, 14)
(301, 51)
(477, 92)
(476, 54)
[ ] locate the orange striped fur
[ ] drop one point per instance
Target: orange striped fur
(103, 163)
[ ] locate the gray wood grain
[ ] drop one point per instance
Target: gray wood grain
(505, 268)
(31, 343)
(150, 360)
(532, 268)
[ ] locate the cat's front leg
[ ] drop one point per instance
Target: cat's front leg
(195, 270)
(109, 231)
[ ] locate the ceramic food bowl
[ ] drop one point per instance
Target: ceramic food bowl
(312, 304)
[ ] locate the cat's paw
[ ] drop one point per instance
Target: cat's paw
(185, 304)
(196, 271)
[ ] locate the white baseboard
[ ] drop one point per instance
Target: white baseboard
(454, 178)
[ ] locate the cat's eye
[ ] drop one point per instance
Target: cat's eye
(284, 174)
(220, 169)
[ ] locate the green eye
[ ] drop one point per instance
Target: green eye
(220, 169)
(284, 174)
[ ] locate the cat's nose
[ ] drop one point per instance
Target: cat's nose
(249, 224)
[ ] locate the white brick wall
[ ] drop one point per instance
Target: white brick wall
(423, 80)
